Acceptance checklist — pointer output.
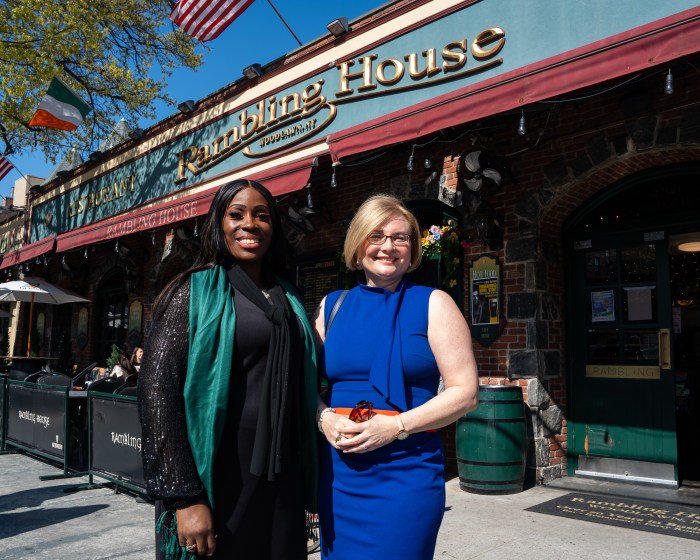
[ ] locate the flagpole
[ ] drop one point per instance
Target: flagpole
(18, 171)
(283, 21)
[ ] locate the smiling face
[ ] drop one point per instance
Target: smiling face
(247, 229)
(385, 265)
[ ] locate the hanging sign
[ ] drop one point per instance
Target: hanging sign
(486, 300)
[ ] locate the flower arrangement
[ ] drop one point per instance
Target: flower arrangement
(446, 242)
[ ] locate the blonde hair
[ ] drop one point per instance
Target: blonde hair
(373, 212)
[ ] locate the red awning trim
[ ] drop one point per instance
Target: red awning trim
(279, 180)
(28, 252)
(627, 53)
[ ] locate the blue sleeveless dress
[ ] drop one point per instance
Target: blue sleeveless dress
(387, 503)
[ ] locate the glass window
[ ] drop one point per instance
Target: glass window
(639, 264)
(601, 267)
(603, 347)
(641, 347)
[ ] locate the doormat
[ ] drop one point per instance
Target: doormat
(666, 519)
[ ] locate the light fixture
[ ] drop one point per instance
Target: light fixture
(153, 237)
(427, 163)
(338, 27)
(487, 225)
(253, 71)
(689, 246)
(96, 156)
(85, 253)
(685, 243)
(334, 181)
(186, 107)
(116, 246)
(409, 165)
(195, 233)
(309, 200)
(668, 85)
(522, 126)
(136, 134)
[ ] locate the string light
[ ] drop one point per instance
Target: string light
(85, 254)
(427, 163)
(409, 165)
(522, 126)
(153, 237)
(668, 86)
(334, 181)
(195, 233)
(116, 246)
(309, 200)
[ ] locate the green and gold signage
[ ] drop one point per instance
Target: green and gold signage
(486, 300)
(441, 52)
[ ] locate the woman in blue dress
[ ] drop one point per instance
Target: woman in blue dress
(382, 491)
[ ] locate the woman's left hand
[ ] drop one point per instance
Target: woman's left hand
(374, 433)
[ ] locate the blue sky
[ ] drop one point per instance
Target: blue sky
(258, 35)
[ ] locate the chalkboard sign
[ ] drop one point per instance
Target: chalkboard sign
(316, 279)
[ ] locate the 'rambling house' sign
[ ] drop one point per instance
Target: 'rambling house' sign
(278, 123)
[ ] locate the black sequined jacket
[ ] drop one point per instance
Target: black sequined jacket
(169, 468)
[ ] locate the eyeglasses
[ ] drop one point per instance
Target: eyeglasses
(399, 240)
(362, 412)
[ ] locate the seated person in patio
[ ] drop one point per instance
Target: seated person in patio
(136, 357)
(123, 368)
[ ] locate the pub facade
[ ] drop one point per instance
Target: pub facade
(555, 147)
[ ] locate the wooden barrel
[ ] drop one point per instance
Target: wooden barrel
(491, 442)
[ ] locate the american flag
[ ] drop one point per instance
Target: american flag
(206, 19)
(5, 167)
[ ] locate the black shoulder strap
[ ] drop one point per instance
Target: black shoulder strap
(335, 309)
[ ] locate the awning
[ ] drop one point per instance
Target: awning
(631, 52)
(28, 252)
(279, 180)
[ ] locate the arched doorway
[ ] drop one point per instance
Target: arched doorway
(634, 350)
(112, 314)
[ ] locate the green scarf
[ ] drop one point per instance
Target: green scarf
(212, 329)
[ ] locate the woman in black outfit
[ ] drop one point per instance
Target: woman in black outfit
(227, 393)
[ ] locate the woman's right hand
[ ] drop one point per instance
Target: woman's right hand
(195, 526)
(337, 427)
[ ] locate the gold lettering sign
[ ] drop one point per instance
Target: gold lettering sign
(101, 196)
(623, 372)
(278, 123)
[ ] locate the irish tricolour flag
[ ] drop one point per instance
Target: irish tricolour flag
(61, 108)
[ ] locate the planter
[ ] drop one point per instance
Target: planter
(491, 442)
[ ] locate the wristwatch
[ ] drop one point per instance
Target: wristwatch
(402, 433)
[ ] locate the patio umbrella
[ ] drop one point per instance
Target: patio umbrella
(36, 290)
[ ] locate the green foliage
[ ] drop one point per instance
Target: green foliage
(113, 357)
(116, 55)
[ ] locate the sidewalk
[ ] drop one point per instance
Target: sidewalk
(38, 520)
